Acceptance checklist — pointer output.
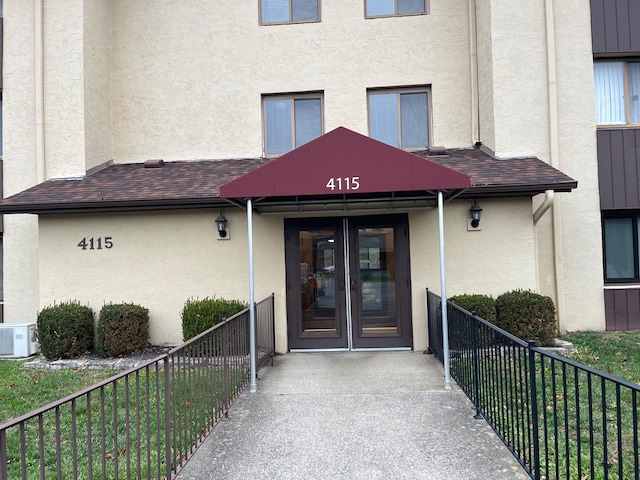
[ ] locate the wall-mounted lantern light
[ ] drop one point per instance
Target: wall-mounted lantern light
(221, 223)
(476, 212)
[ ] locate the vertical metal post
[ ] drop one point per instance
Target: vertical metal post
(167, 419)
(534, 410)
(445, 323)
(252, 312)
(476, 368)
(3, 455)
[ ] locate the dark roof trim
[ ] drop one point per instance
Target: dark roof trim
(114, 206)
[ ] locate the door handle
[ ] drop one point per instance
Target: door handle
(342, 285)
(353, 285)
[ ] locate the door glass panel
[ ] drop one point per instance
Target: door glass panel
(378, 281)
(317, 282)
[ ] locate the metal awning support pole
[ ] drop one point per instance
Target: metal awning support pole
(252, 305)
(443, 286)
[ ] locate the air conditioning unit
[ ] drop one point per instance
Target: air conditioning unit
(18, 339)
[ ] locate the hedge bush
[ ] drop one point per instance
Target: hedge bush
(65, 330)
(122, 329)
(483, 305)
(200, 315)
(528, 316)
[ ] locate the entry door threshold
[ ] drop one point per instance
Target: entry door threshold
(329, 350)
(317, 350)
(391, 349)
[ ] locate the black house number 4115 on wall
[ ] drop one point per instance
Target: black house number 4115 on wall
(96, 243)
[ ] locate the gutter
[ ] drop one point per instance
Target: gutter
(554, 160)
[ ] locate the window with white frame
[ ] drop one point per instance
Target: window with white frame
(289, 11)
(291, 121)
(385, 8)
(400, 117)
(621, 247)
(617, 92)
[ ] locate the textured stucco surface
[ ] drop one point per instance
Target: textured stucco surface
(213, 71)
(97, 81)
(20, 236)
(133, 80)
(496, 258)
(579, 212)
(158, 261)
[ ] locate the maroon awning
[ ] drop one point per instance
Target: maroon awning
(344, 162)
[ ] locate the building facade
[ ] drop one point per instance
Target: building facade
(616, 50)
(97, 92)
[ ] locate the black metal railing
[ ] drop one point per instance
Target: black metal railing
(142, 423)
(560, 419)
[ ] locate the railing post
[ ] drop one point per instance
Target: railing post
(167, 419)
(476, 367)
(534, 410)
(4, 475)
(225, 368)
(272, 327)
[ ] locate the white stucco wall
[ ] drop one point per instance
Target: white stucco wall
(132, 80)
(64, 133)
(97, 82)
(207, 72)
(158, 260)
(20, 239)
(496, 258)
(579, 212)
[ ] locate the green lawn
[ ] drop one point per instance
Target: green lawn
(22, 390)
(127, 415)
(617, 353)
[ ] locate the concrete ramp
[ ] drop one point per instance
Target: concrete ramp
(360, 415)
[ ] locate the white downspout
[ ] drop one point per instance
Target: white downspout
(554, 159)
(41, 165)
(473, 49)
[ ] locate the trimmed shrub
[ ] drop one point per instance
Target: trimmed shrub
(200, 315)
(122, 329)
(65, 330)
(528, 316)
(483, 305)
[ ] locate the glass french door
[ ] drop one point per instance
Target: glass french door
(348, 283)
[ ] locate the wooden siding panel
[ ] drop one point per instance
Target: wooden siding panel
(630, 169)
(622, 309)
(611, 27)
(605, 177)
(614, 26)
(609, 310)
(633, 310)
(623, 34)
(634, 21)
(617, 170)
(597, 26)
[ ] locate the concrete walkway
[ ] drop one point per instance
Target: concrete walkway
(382, 415)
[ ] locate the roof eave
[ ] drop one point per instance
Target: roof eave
(112, 206)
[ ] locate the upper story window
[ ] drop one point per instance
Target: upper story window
(400, 117)
(617, 92)
(291, 121)
(384, 8)
(289, 11)
(621, 248)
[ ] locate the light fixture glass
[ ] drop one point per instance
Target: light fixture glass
(476, 212)
(221, 222)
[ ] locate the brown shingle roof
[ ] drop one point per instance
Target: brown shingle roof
(192, 184)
